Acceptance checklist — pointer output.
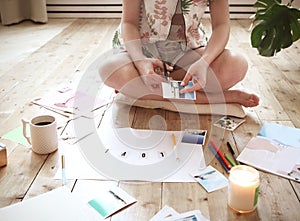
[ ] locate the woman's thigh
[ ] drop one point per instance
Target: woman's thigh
(117, 69)
(119, 72)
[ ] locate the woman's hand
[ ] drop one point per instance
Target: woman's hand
(152, 72)
(197, 72)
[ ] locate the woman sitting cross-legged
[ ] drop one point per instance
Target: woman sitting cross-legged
(166, 37)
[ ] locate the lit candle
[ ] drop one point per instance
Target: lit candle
(243, 188)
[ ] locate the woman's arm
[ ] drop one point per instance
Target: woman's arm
(131, 36)
(219, 13)
(130, 28)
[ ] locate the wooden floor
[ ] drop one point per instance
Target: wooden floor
(35, 58)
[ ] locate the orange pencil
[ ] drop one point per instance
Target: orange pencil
(221, 155)
(174, 145)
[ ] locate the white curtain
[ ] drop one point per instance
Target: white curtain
(15, 11)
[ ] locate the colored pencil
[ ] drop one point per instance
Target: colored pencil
(230, 160)
(220, 154)
(63, 172)
(232, 152)
(174, 145)
(213, 150)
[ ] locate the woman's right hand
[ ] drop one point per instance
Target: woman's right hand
(198, 73)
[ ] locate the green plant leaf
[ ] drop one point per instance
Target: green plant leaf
(257, 34)
(266, 3)
(277, 27)
(267, 40)
(287, 38)
(259, 5)
(116, 41)
(295, 30)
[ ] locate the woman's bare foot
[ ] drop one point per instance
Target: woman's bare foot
(228, 96)
(241, 97)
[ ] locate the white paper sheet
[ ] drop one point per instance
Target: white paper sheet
(276, 150)
(169, 214)
(130, 151)
(59, 205)
(272, 157)
(68, 101)
(76, 167)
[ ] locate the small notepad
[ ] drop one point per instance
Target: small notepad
(108, 202)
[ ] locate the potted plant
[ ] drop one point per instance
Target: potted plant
(276, 26)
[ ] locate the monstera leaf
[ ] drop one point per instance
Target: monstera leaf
(277, 26)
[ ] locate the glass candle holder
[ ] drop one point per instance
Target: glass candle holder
(243, 188)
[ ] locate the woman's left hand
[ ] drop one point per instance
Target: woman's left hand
(197, 72)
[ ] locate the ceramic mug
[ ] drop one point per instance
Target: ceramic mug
(43, 134)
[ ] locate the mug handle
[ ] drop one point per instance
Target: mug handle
(25, 122)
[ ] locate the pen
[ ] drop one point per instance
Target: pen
(218, 158)
(165, 70)
(117, 197)
(230, 160)
(63, 172)
(232, 152)
(220, 154)
(174, 145)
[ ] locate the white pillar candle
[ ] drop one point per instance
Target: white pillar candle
(243, 188)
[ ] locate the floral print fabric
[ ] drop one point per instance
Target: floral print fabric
(156, 17)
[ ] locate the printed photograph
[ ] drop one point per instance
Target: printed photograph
(229, 123)
(171, 90)
(194, 136)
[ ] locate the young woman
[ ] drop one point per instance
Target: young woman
(167, 35)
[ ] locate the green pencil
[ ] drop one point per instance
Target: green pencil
(230, 160)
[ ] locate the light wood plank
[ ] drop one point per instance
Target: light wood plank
(21, 40)
(184, 197)
(148, 197)
(275, 71)
(45, 181)
(149, 119)
(283, 204)
(20, 172)
(59, 63)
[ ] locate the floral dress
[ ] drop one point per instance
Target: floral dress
(168, 28)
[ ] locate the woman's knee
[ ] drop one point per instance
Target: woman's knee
(111, 65)
(106, 68)
(238, 65)
(229, 69)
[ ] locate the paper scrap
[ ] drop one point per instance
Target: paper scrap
(16, 135)
(169, 214)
